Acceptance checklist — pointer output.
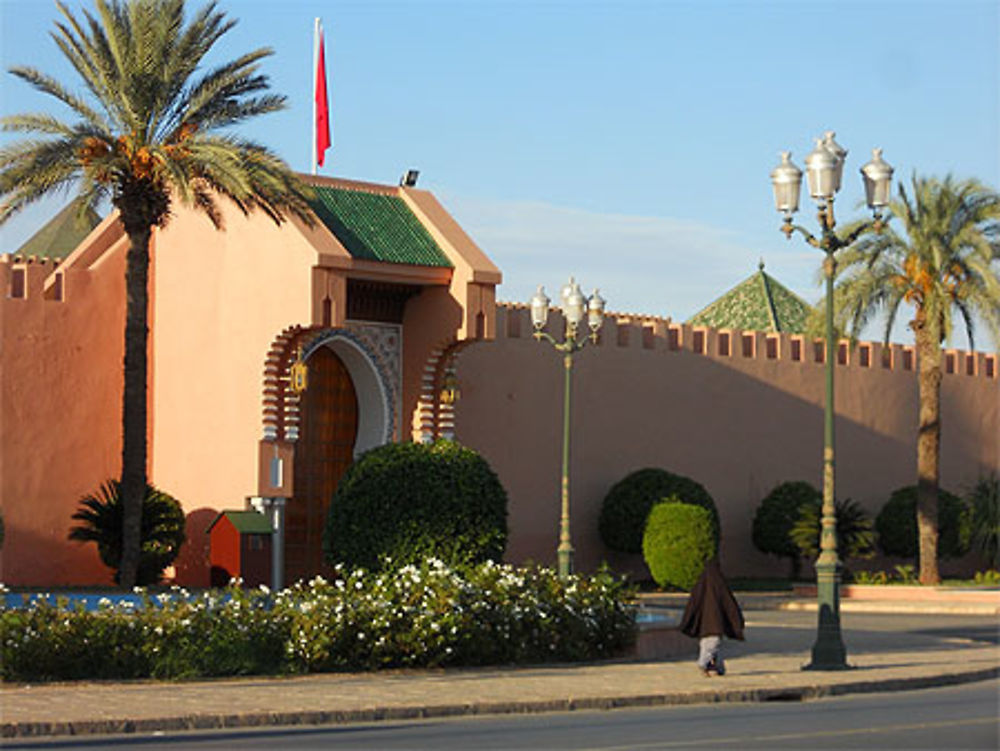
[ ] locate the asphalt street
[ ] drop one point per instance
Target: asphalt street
(957, 717)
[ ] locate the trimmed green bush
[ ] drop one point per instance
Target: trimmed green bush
(896, 524)
(161, 535)
(855, 536)
(418, 616)
(679, 538)
(776, 516)
(403, 502)
(627, 505)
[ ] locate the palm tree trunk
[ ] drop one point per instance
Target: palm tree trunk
(134, 418)
(928, 446)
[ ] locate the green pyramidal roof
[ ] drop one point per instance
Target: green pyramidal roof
(758, 303)
(377, 227)
(61, 234)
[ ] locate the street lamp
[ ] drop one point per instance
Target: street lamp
(824, 168)
(574, 307)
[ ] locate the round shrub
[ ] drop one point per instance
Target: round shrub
(404, 502)
(679, 538)
(777, 514)
(161, 532)
(625, 509)
(896, 524)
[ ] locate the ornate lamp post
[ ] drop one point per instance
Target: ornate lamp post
(574, 306)
(824, 167)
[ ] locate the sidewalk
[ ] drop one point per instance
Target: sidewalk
(855, 599)
(767, 668)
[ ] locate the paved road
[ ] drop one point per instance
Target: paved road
(959, 717)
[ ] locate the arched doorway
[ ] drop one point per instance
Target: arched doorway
(328, 412)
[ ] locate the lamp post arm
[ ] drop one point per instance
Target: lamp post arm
(568, 346)
(876, 225)
(545, 336)
(789, 229)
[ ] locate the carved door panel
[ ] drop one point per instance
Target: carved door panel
(328, 415)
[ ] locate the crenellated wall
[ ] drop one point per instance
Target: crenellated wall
(739, 411)
(60, 405)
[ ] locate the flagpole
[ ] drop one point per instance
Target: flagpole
(315, 67)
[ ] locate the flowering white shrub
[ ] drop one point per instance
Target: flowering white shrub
(416, 616)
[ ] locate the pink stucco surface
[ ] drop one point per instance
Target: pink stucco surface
(60, 411)
(220, 298)
(738, 425)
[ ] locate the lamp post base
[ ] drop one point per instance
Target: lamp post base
(828, 653)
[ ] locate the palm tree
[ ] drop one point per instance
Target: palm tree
(946, 262)
(163, 534)
(147, 132)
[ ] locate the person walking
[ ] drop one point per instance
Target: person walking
(712, 613)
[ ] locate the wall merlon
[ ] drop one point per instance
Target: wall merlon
(627, 330)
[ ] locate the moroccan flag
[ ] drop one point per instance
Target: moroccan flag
(322, 108)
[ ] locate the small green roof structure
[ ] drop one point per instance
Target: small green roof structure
(60, 235)
(376, 227)
(245, 522)
(758, 303)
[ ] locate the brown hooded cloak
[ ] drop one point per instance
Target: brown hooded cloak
(712, 609)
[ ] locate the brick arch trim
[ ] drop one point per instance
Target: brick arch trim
(432, 419)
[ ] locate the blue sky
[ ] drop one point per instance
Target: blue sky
(627, 143)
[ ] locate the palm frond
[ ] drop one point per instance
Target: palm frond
(158, 119)
(48, 85)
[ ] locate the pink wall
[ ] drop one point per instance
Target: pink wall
(220, 299)
(60, 411)
(738, 425)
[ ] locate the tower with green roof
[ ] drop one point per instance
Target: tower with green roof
(60, 235)
(758, 303)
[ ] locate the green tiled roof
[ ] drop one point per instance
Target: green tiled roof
(758, 303)
(59, 236)
(377, 227)
(246, 522)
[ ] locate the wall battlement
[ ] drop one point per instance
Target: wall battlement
(35, 278)
(31, 278)
(634, 331)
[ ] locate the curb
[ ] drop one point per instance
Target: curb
(250, 720)
(860, 606)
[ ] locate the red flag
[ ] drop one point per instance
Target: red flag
(322, 110)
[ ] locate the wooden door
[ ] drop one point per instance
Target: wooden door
(328, 419)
